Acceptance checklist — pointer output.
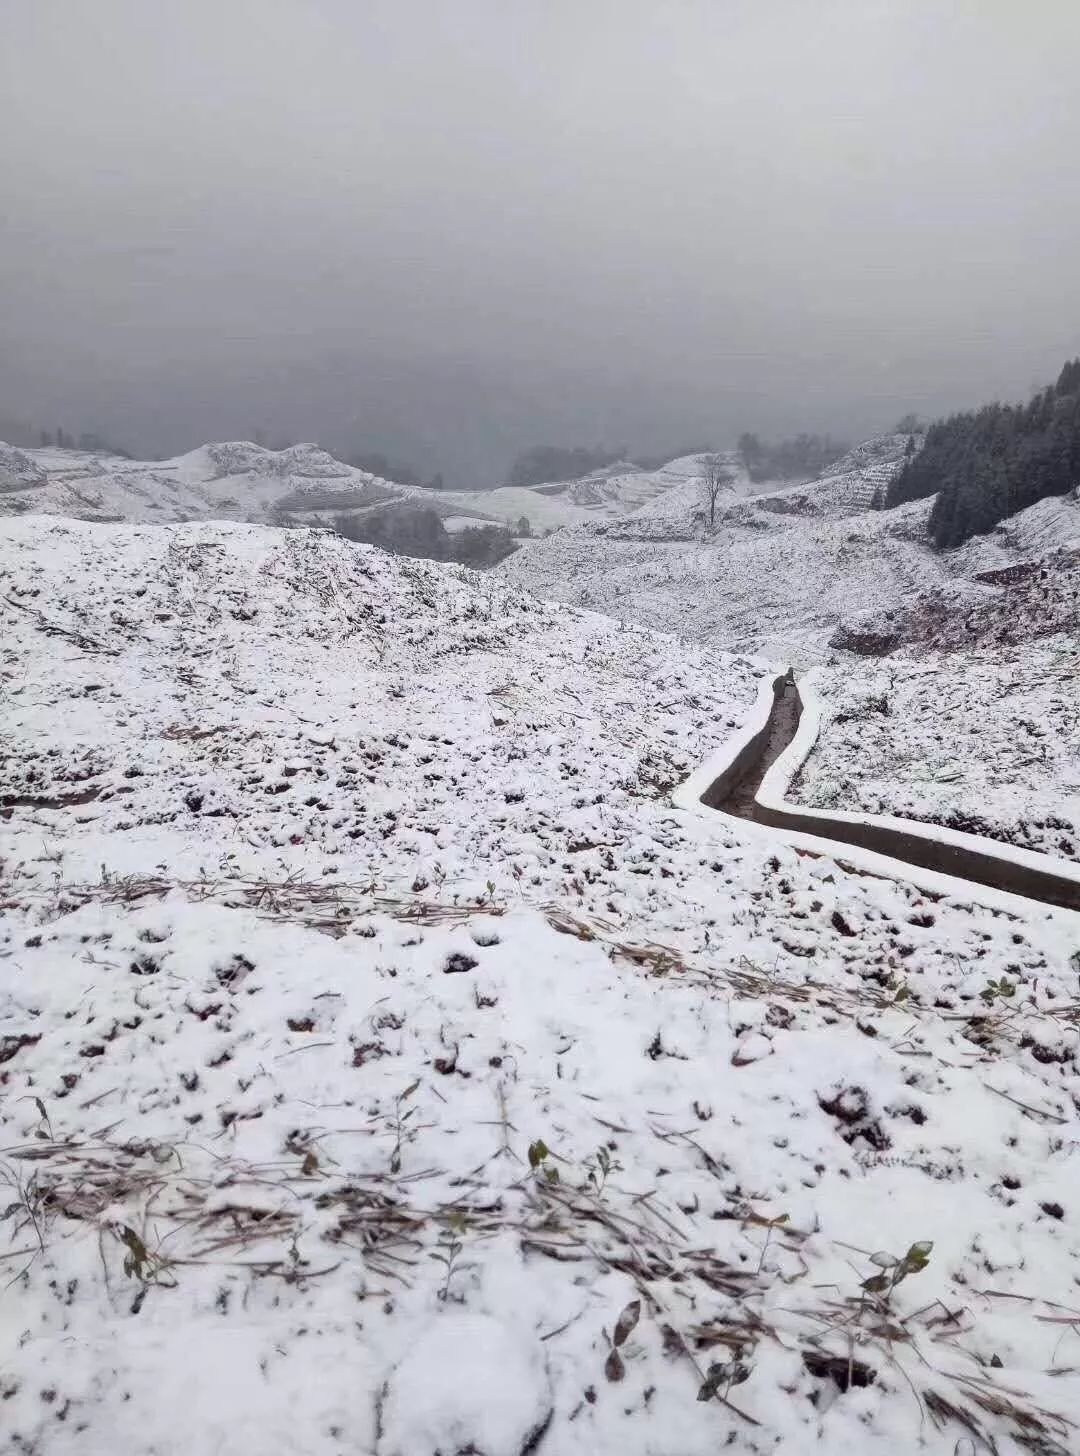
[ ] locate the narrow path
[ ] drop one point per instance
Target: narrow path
(735, 792)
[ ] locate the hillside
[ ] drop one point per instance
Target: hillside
(985, 740)
(982, 466)
(973, 719)
(614, 492)
(237, 480)
(767, 580)
(390, 1066)
(234, 480)
(784, 569)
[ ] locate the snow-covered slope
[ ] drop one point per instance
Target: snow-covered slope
(973, 720)
(390, 1067)
(611, 493)
(784, 568)
(763, 581)
(235, 480)
(1044, 527)
(985, 740)
(859, 479)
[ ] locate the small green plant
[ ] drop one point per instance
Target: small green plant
(147, 1268)
(722, 1376)
(770, 1224)
(29, 1206)
(44, 1129)
(993, 989)
(901, 990)
(894, 1270)
(614, 1369)
(539, 1153)
(451, 1243)
(402, 1132)
(599, 1167)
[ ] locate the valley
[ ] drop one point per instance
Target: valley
(539, 729)
(379, 994)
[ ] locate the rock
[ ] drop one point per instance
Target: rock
(870, 634)
(752, 1046)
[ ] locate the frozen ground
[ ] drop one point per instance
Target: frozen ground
(389, 1067)
(986, 741)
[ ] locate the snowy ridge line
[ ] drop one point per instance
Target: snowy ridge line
(729, 759)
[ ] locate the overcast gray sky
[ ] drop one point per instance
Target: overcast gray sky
(450, 229)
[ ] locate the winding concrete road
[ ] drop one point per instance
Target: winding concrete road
(735, 792)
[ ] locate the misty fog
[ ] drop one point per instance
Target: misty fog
(452, 231)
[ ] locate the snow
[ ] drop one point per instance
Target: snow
(18, 472)
(985, 741)
(613, 493)
(233, 480)
(238, 480)
(363, 1127)
(765, 582)
(785, 567)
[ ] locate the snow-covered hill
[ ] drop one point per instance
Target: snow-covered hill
(784, 568)
(389, 1066)
(235, 480)
(985, 740)
(764, 581)
(973, 720)
(859, 479)
(615, 492)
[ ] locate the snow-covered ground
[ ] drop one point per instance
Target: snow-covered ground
(390, 1067)
(973, 719)
(986, 741)
(236, 480)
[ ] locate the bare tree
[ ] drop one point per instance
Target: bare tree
(715, 477)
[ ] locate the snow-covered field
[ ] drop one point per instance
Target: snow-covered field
(390, 1067)
(236, 480)
(986, 741)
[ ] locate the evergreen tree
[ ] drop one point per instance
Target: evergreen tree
(985, 465)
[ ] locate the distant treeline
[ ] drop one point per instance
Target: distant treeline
(85, 440)
(376, 463)
(407, 531)
(986, 464)
(654, 462)
(560, 462)
(794, 459)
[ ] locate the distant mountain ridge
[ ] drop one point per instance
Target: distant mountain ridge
(230, 480)
(306, 485)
